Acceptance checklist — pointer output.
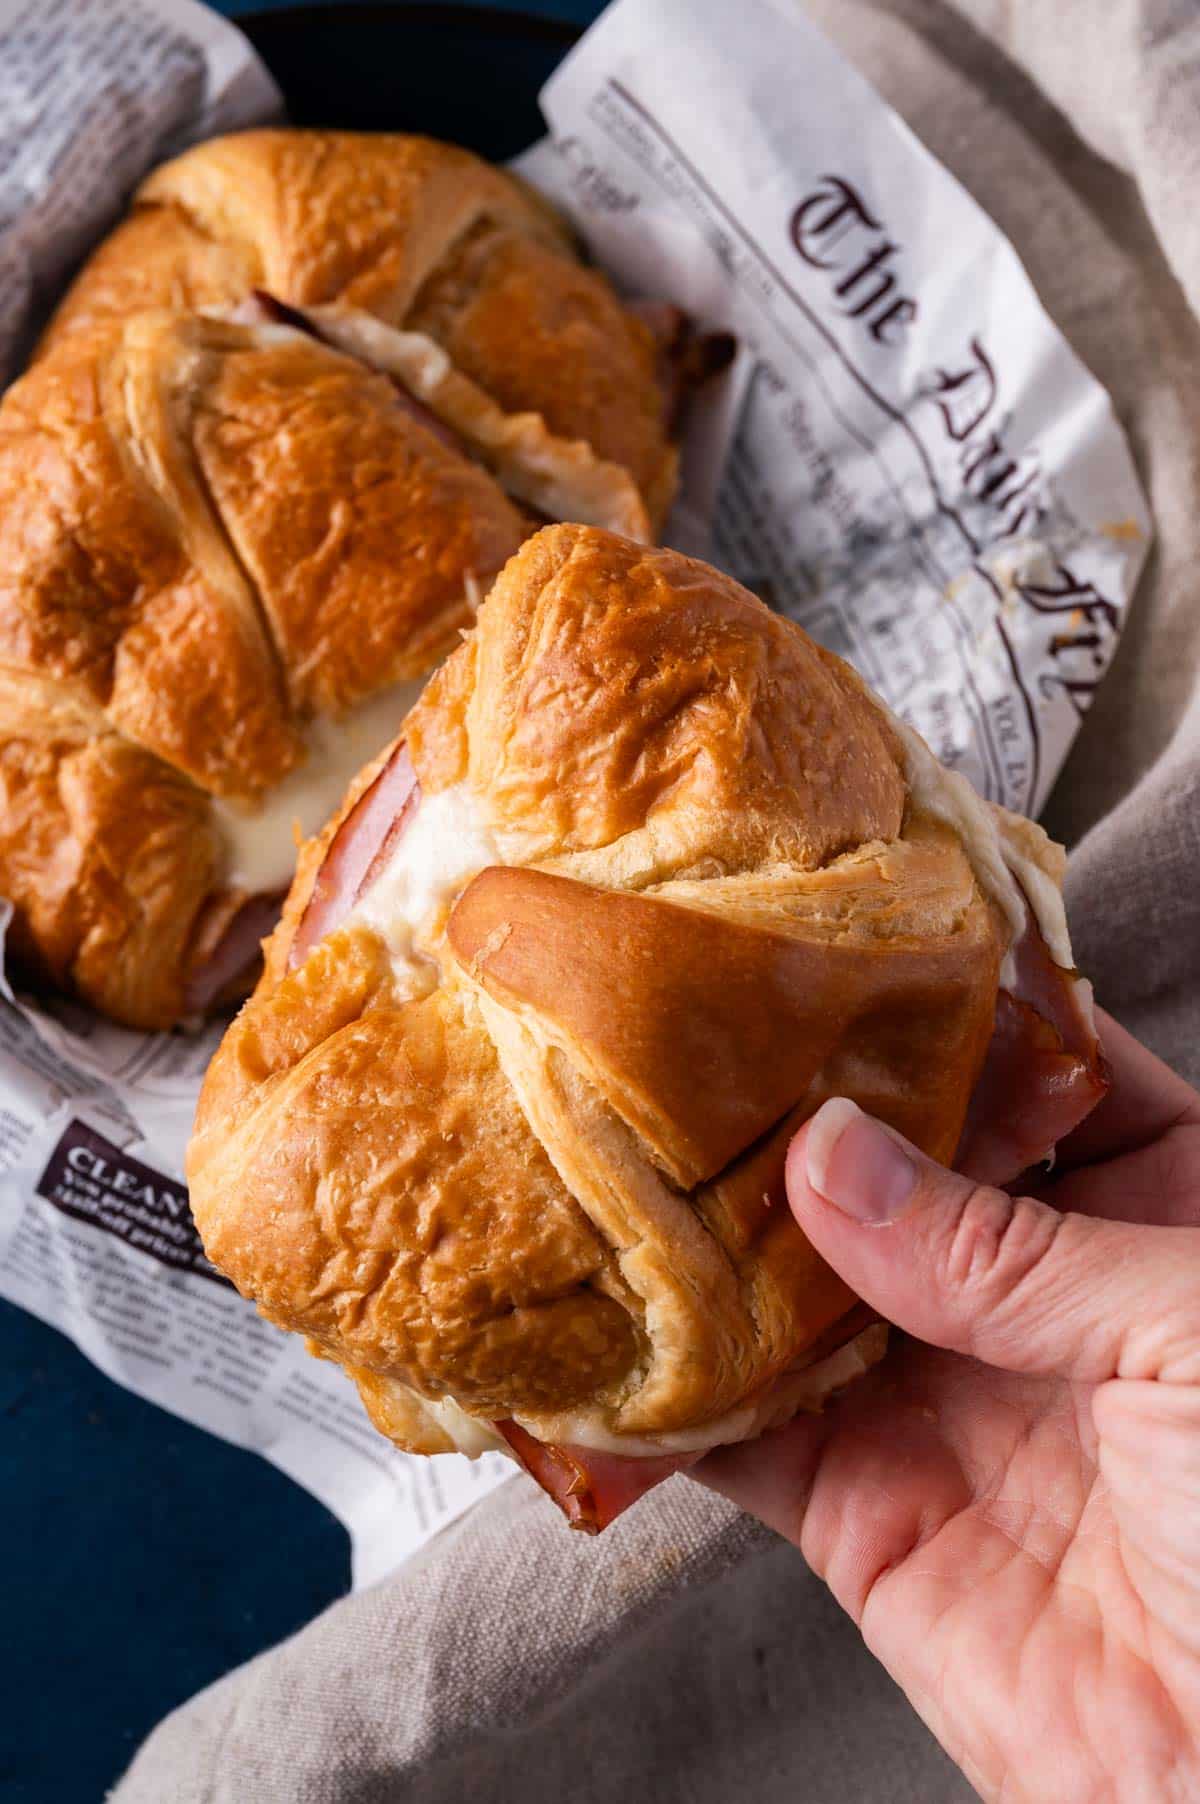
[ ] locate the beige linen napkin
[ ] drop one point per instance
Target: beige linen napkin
(685, 1655)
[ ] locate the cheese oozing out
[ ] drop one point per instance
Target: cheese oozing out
(470, 1434)
(808, 1387)
(444, 845)
(260, 839)
(999, 852)
(805, 1389)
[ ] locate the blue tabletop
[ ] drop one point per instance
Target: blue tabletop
(143, 1557)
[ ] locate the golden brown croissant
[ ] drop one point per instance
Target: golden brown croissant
(647, 877)
(421, 235)
(229, 550)
(218, 543)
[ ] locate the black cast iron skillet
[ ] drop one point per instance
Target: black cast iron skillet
(463, 73)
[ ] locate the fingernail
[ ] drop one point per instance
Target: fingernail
(856, 1165)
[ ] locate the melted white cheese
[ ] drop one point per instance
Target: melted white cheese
(808, 1388)
(260, 840)
(1006, 872)
(469, 1434)
(445, 844)
(723, 1431)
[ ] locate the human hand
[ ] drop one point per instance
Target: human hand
(1011, 1513)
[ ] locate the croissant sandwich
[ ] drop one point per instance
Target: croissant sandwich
(648, 875)
(232, 540)
(420, 235)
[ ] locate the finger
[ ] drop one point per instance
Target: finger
(772, 1476)
(1006, 1279)
(1147, 1098)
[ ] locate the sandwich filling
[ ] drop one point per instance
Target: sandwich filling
(1001, 848)
(261, 838)
(593, 1481)
(560, 479)
(446, 843)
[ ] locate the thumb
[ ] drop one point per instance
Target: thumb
(1006, 1279)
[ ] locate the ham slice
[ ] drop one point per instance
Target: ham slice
(591, 1489)
(1043, 1073)
(359, 850)
(228, 943)
(226, 970)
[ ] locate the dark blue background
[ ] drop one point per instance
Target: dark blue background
(143, 1557)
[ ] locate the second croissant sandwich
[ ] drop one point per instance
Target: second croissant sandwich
(233, 541)
(647, 877)
(423, 237)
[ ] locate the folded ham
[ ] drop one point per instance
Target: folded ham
(591, 1489)
(360, 845)
(228, 950)
(1044, 1070)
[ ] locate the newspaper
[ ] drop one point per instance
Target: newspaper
(93, 93)
(907, 458)
(95, 1233)
(923, 473)
(97, 1239)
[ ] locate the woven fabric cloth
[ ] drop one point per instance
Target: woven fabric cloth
(685, 1655)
